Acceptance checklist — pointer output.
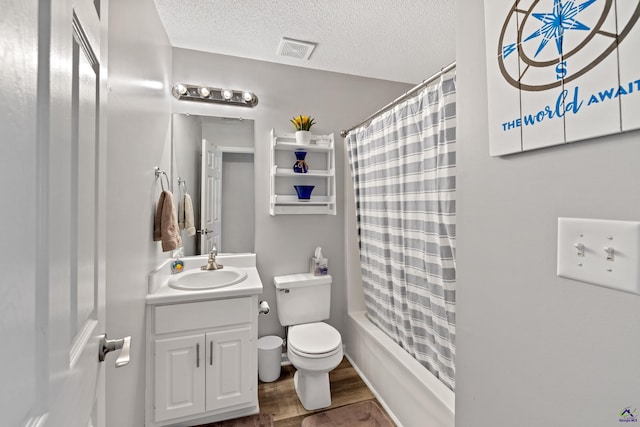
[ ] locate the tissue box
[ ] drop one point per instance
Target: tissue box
(319, 266)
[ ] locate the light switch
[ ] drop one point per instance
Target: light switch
(601, 252)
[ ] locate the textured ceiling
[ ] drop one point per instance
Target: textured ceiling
(399, 40)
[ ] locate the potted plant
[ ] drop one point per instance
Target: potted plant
(302, 125)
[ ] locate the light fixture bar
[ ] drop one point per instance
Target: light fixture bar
(240, 98)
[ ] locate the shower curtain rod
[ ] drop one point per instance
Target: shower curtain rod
(419, 86)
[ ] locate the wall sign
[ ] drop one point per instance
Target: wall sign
(561, 71)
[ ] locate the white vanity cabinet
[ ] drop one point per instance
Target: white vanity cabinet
(201, 361)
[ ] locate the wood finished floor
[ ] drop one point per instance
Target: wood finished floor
(279, 398)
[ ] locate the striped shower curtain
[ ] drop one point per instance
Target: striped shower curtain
(403, 168)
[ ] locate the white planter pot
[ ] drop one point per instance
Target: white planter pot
(303, 137)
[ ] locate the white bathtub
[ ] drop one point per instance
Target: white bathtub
(411, 394)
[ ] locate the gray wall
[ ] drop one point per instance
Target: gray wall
(228, 132)
(187, 164)
(21, 165)
(138, 140)
(534, 349)
(285, 243)
(238, 179)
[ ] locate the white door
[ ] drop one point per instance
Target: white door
(211, 190)
(53, 245)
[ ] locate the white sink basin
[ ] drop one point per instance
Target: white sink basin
(197, 280)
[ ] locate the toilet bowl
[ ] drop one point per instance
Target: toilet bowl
(314, 349)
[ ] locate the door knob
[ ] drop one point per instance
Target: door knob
(107, 345)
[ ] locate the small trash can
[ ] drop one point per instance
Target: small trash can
(269, 354)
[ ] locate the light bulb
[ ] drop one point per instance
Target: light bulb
(226, 94)
(247, 96)
(204, 92)
(180, 89)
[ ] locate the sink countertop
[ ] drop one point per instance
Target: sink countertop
(160, 293)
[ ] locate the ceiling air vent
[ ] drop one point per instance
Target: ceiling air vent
(295, 48)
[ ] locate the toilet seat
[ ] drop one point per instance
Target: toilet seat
(314, 340)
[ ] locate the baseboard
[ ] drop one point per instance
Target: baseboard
(284, 359)
(375, 393)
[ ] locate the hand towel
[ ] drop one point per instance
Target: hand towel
(181, 213)
(165, 223)
(187, 215)
(157, 219)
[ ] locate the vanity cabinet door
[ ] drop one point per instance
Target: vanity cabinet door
(230, 374)
(179, 376)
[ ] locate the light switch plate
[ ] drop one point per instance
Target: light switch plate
(596, 236)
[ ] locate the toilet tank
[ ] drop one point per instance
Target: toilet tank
(302, 298)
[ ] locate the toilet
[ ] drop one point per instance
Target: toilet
(314, 348)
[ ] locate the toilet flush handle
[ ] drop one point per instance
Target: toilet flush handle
(263, 307)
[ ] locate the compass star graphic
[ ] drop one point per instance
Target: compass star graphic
(555, 23)
(585, 33)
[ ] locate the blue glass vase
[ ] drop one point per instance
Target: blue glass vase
(300, 166)
(304, 191)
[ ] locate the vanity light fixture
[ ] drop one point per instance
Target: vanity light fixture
(241, 98)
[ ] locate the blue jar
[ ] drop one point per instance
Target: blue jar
(300, 166)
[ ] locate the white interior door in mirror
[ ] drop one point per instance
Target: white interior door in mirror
(217, 198)
(210, 227)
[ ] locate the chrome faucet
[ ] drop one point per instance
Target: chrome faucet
(212, 264)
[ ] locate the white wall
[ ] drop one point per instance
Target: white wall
(284, 243)
(138, 140)
(534, 349)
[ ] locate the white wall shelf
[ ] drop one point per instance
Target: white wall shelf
(290, 173)
(321, 174)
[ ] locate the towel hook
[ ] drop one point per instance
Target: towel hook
(159, 173)
(183, 183)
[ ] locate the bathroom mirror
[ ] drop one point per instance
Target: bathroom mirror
(213, 163)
